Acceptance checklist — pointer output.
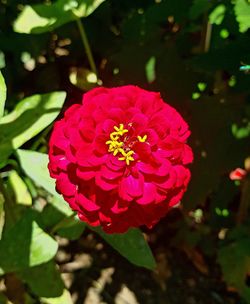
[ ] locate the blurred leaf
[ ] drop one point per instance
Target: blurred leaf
(20, 191)
(83, 78)
(241, 132)
(150, 69)
(40, 18)
(4, 300)
(235, 262)
(217, 15)
(198, 8)
(3, 91)
(25, 245)
(44, 280)
(242, 12)
(31, 116)
(131, 245)
(2, 215)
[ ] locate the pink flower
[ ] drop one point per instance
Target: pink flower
(120, 158)
(238, 174)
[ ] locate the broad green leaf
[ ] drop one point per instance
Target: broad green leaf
(242, 13)
(40, 18)
(235, 263)
(44, 280)
(65, 298)
(35, 165)
(31, 116)
(131, 245)
(57, 215)
(20, 191)
(3, 91)
(25, 245)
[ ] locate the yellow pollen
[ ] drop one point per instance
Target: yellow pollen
(120, 131)
(127, 157)
(117, 144)
(142, 139)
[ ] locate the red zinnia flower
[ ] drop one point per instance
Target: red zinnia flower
(120, 158)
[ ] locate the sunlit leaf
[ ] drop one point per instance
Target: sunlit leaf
(217, 15)
(35, 165)
(65, 298)
(131, 245)
(25, 245)
(40, 18)
(57, 215)
(242, 13)
(31, 116)
(19, 189)
(3, 91)
(150, 69)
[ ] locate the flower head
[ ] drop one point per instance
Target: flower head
(120, 158)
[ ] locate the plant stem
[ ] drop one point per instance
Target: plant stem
(86, 45)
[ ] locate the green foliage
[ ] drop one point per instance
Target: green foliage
(40, 18)
(29, 248)
(35, 165)
(234, 259)
(131, 245)
(190, 51)
(44, 280)
(20, 192)
(2, 94)
(30, 116)
(242, 12)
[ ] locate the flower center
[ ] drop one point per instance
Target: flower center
(121, 143)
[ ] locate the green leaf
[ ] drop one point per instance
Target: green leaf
(217, 15)
(31, 116)
(150, 69)
(19, 189)
(44, 280)
(57, 215)
(235, 263)
(42, 18)
(131, 245)
(25, 245)
(65, 298)
(35, 165)
(198, 8)
(2, 213)
(70, 228)
(242, 13)
(3, 91)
